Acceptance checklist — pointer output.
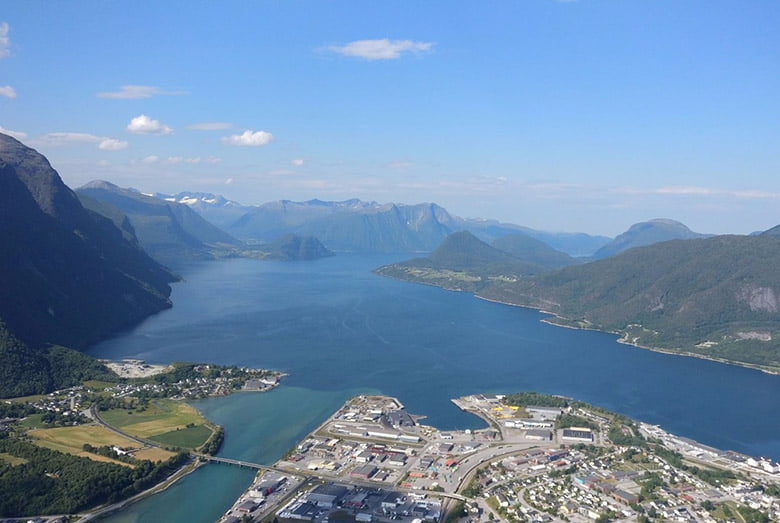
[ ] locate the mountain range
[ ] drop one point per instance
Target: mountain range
(365, 227)
(166, 230)
(171, 231)
(68, 275)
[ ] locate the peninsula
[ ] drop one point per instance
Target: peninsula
(91, 447)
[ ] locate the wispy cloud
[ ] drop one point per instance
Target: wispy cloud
(134, 92)
(142, 124)
(102, 142)
(382, 49)
(688, 190)
(248, 138)
(19, 135)
(210, 126)
(175, 160)
(7, 91)
(5, 41)
(192, 160)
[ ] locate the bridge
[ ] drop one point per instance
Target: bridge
(237, 462)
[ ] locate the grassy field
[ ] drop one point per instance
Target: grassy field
(153, 454)
(25, 399)
(71, 440)
(98, 385)
(12, 460)
(189, 437)
(33, 421)
(160, 417)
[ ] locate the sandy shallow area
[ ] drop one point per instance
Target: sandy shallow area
(135, 368)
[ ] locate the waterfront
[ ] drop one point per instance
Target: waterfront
(339, 330)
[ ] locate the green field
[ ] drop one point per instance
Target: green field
(98, 385)
(71, 440)
(188, 437)
(33, 421)
(160, 417)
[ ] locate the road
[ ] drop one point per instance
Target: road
(93, 413)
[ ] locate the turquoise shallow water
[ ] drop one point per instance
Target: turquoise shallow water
(340, 330)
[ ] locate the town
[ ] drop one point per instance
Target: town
(540, 458)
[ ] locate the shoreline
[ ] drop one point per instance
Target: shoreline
(507, 444)
(179, 474)
(622, 339)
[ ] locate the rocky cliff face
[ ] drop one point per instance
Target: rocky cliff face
(67, 275)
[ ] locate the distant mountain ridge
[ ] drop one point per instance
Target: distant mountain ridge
(464, 262)
(358, 226)
(166, 230)
(213, 207)
(647, 233)
(530, 249)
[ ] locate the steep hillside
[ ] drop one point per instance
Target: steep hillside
(718, 297)
(68, 276)
(168, 231)
(522, 246)
(774, 231)
(647, 233)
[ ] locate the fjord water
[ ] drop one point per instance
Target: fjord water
(340, 330)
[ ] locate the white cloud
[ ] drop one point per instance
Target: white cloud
(133, 92)
(192, 160)
(177, 160)
(248, 138)
(19, 135)
(382, 49)
(228, 181)
(297, 162)
(210, 126)
(5, 42)
(684, 190)
(7, 91)
(111, 144)
(102, 142)
(142, 124)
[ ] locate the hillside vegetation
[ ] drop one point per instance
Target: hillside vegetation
(717, 297)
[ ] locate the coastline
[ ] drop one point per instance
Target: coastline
(467, 460)
(183, 472)
(622, 339)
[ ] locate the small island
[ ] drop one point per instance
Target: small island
(540, 458)
(92, 447)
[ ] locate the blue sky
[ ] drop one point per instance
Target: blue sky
(585, 115)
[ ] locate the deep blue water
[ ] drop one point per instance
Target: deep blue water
(340, 330)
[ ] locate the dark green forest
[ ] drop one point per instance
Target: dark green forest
(55, 483)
